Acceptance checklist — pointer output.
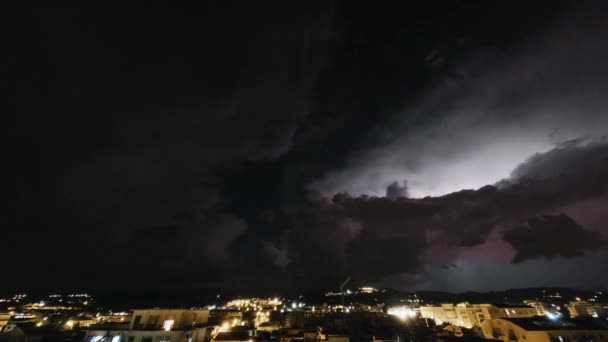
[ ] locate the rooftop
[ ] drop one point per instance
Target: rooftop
(508, 306)
(233, 336)
(543, 324)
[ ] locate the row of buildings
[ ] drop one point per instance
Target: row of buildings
(529, 322)
(543, 329)
(279, 320)
(470, 315)
(157, 325)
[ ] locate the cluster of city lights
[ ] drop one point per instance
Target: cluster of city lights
(360, 290)
(254, 303)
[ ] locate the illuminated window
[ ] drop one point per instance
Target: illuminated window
(168, 324)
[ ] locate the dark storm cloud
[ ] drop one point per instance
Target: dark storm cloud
(552, 236)
(498, 107)
(373, 238)
(138, 115)
(178, 146)
(207, 238)
(396, 190)
(372, 256)
(279, 252)
(566, 158)
(211, 237)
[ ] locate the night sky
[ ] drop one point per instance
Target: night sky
(442, 145)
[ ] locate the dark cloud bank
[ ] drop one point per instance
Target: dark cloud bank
(293, 151)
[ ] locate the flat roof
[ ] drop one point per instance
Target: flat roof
(540, 323)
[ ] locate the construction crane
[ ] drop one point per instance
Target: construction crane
(342, 291)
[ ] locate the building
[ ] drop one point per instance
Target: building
(508, 310)
(541, 307)
(81, 321)
(222, 317)
(337, 336)
(470, 315)
(269, 326)
(158, 325)
(168, 319)
(22, 332)
(311, 335)
(291, 335)
(581, 308)
(234, 336)
(451, 330)
(4, 318)
(114, 317)
(542, 329)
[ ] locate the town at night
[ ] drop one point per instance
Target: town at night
(305, 171)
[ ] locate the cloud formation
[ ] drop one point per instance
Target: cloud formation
(290, 146)
(399, 235)
(552, 236)
(492, 113)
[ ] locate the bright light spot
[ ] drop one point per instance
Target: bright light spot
(294, 305)
(39, 324)
(167, 325)
(551, 316)
(402, 312)
(116, 338)
(69, 323)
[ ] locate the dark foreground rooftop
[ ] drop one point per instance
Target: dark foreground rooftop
(542, 323)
